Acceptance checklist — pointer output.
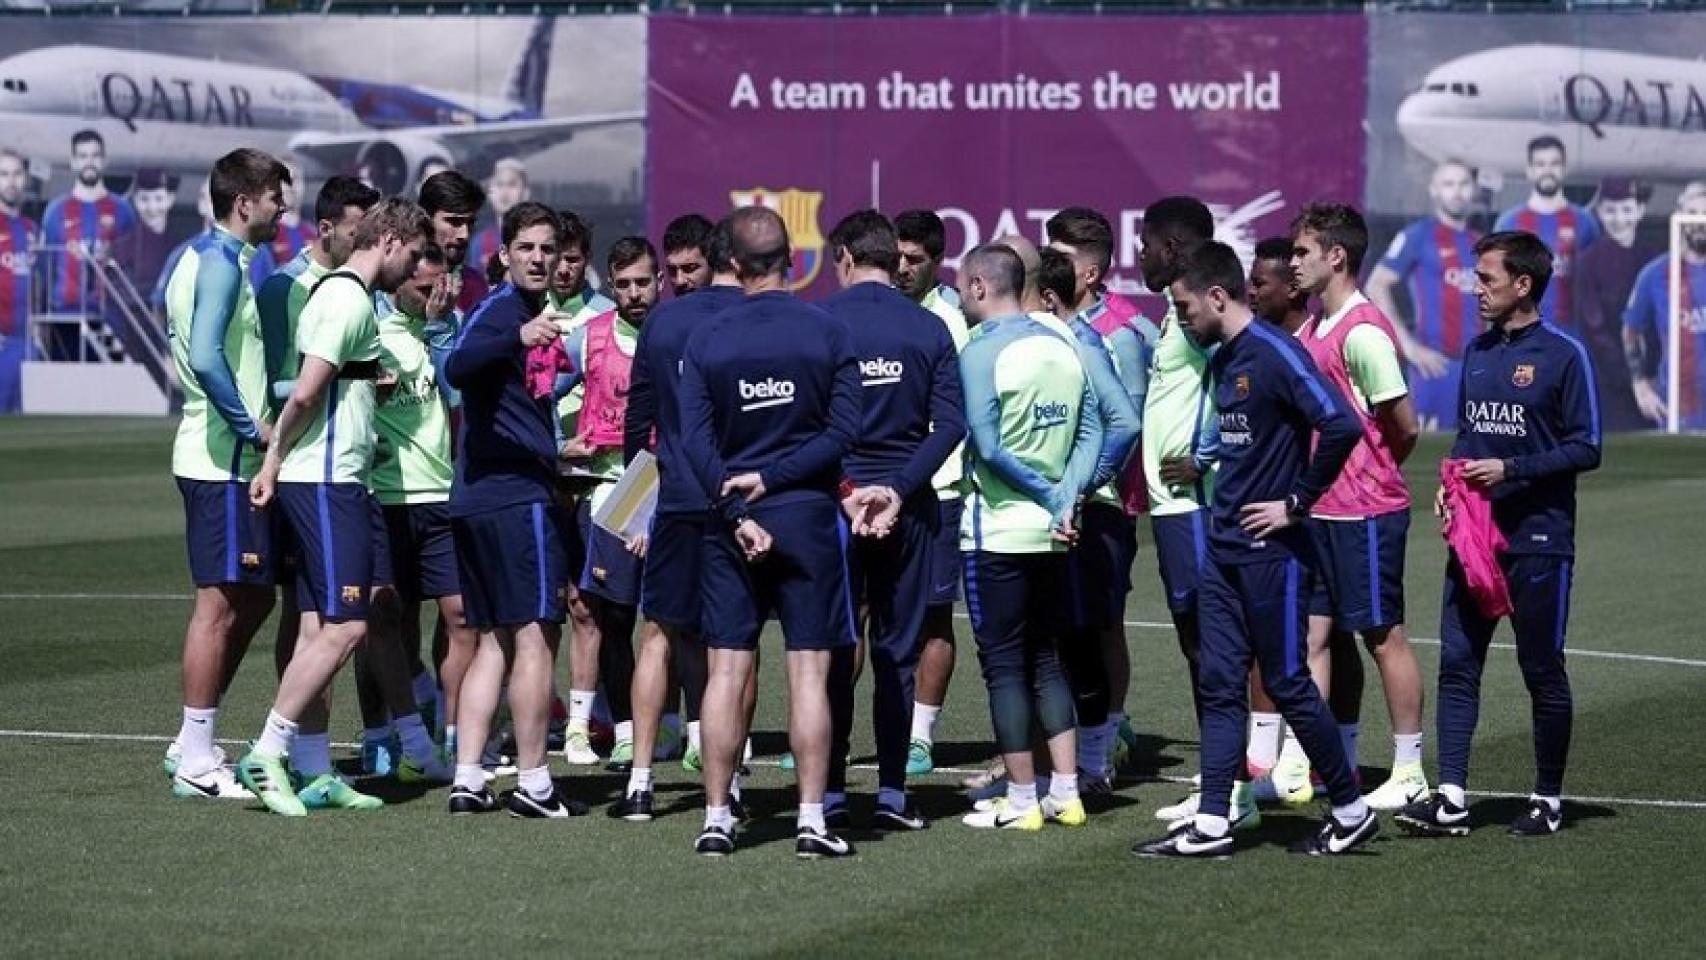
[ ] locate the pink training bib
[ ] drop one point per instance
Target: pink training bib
(608, 370)
(1371, 483)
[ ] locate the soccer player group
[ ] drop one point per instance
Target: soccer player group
(377, 429)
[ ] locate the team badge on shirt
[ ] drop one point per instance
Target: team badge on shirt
(1523, 375)
(250, 561)
(352, 594)
(799, 211)
(1241, 386)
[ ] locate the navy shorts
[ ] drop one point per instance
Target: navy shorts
(609, 570)
(512, 566)
(1181, 548)
(945, 563)
(1099, 566)
(339, 535)
(802, 581)
(422, 550)
(669, 587)
(1360, 566)
(230, 542)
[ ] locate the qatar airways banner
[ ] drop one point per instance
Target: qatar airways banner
(996, 122)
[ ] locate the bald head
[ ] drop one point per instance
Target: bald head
(1030, 296)
(760, 242)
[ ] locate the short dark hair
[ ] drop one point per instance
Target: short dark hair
(530, 214)
(432, 253)
(1085, 230)
(749, 225)
(687, 231)
(1213, 264)
(1546, 142)
(496, 272)
(340, 193)
(1184, 217)
(450, 191)
(1275, 248)
(244, 172)
(1525, 256)
(399, 216)
(1056, 274)
(1338, 225)
(628, 251)
(999, 267)
(869, 237)
(719, 248)
(574, 232)
(87, 135)
(924, 228)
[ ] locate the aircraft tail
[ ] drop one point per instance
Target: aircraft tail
(527, 80)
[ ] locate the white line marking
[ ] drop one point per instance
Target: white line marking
(88, 736)
(1140, 624)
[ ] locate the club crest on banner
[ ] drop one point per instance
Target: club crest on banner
(799, 212)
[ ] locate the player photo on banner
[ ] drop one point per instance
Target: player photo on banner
(1585, 130)
(997, 123)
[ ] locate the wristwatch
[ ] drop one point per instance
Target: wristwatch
(1294, 507)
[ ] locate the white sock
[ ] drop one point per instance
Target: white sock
(1210, 825)
(811, 816)
(1263, 751)
(1348, 737)
(426, 687)
(1063, 786)
(311, 754)
(536, 782)
(625, 731)
(417, 743)
(924, 718)
(1406, 749)
(1023, 796)
(1453, 794)
(1093, 750)
(196, 754)
(693, 741)
(1351, 814)
(580, 707)
(734, 785)
(746, 751)
(1291, 752)
(276, 735)
(639, 779)
(719, 817)
(469, 776)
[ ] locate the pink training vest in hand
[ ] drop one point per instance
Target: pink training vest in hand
(1370, 483)
(608, 370)
(544, 362)
(1476, 540)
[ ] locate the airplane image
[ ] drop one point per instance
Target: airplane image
(1618, 114)
(182, 113)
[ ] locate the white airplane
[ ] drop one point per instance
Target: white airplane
(182, 113)
(1618, 114)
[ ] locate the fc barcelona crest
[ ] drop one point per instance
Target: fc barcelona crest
(352, 594)
(799, 211)
(1241, 386)
(1523, 375)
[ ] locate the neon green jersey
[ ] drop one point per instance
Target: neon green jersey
(1031, 452)
(338, 326)
(280, 303)
(411, 460)
(1178, 414)
(220, 360)
(946, 482)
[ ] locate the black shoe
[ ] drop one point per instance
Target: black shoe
(464, 800)
(1434, 817)
(714, 842)
(1187, 842)
(553, 807)
(636, 807)
(615, 766)
(837, 818)
(814, 844)
(1092, 786)
(890, 819)
(1541, 820)
(1335, 839)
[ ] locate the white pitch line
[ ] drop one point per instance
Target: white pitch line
(87, 736)
(1139, 624)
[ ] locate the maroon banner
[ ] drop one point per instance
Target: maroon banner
(998, 121)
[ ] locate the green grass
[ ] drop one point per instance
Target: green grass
(96, 856)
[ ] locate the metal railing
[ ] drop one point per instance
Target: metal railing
(103, 319)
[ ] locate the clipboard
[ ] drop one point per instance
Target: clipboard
(627, 511)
